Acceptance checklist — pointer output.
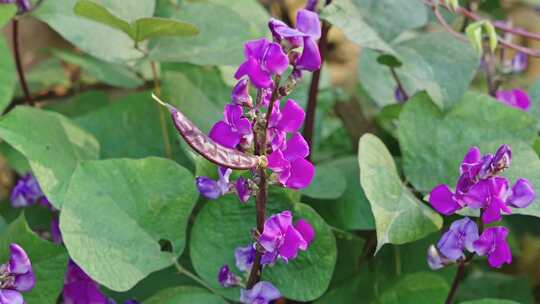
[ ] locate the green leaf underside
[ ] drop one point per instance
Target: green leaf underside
(9, 75)
(117, 213)
(399, 216)
(53, 145)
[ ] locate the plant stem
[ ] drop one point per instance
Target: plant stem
(399, 83)
(193, 276)
(18, 64)
(455, 284)
(262, 194)
(489, 69)
(163, 122)
(314, 90)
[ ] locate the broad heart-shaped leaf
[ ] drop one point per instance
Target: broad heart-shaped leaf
(7, 11)
(225, 224)
(430, 63)
(374, 23)
(433, 143)
(94, 11)
(351, 211)
(219, 43)
(49, 261)
(9, 75)
(399, 216)
(53, 145)
(534, 94)
(490, 301)
(110, 73)
(160, 27)
(185, 295)
(191, 88)
(328, 183)
(416, 288)
(119, 211)
(131, 127)
(89, 35)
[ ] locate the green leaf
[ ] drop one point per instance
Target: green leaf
(191, 88)
(9, 75)
(417, 288)
(160, 27)
(373, 23)
(489, 284)
(53, 145)
(48, 261)
(328, 183)
(351, 211)
(225, 224)
(534, 94)
(220, 43)
(96, 12)
(7, 11)
(80, 104)
(96, 39)
(119, 211)
(109, 73)
(429, 63)
(399, 216)
(134, 122)
(185, 295)
(434, 143)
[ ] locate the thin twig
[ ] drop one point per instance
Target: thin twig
(162, 118)
(262, 195)
(309, 126)
(18, 64)
(455, 284)
(193, 276)
(502, 42)
(399, 83)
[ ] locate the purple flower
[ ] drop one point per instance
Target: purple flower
(16, 276)
(226, 278)
(242, 189)
(79, 288)
(461, 236)
(435, 259)
(263, 59)
(26, 192)
(492, 243)
(24, 6)
(293, 170)
(240, 94)
(56, 234)
(520, 62)
(287, 119)
(212, 189)
(516, 98)
(262, 293)
(283, 240)
(244, 257)
(306, 34)
(522, 194)
(400, 95)
(489, 194)
(229, 131)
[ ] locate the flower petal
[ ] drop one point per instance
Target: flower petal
(308, 23)
(292, 117)
(310, 60)
(297, 147)
(306, 230)
(275, 61)
(442, 200)
(223, 134)
(522, 194)
(301, 174)
(19, 263)
(8, 296)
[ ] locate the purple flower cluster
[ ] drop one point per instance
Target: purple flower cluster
(479, 187)
(16, 276)
(79, 288)
(280, 239)
(23, 5)
(27, 192)
(244, 120)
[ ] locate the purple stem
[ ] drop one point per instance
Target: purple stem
(20, 71)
